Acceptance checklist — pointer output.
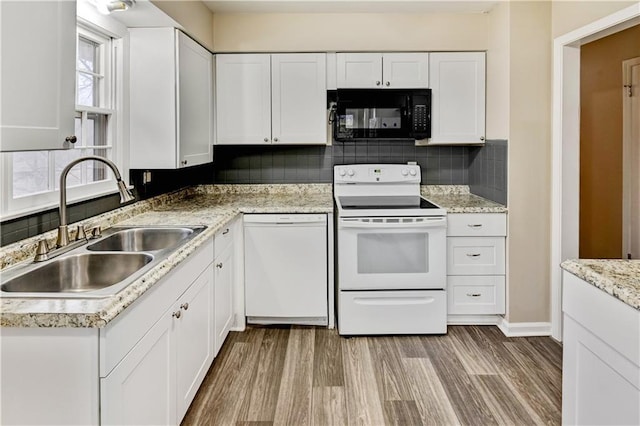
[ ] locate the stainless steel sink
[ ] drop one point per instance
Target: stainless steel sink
(100, 269)
(142, 239)
(79, 273)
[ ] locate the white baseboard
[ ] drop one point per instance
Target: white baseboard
(524, 329)
(473, 319)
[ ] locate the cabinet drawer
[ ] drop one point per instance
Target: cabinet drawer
(224, 238)
(477, 225)
(475, 295)
(475, 256)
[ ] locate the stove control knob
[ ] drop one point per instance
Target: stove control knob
(342, 172)
(412, 172)
(404, 172)
(350, 172)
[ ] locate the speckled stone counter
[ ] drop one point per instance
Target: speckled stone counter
(458, 199)
(620, 278)
(213, 206)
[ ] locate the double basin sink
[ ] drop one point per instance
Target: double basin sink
(98, 269)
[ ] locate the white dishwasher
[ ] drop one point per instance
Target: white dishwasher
(286, 268)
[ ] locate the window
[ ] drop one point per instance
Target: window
(36, 174)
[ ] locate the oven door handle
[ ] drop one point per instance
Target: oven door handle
(440, 222)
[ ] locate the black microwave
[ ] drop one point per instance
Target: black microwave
(382, 114)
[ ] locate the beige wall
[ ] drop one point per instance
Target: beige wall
(570, 15)
(284, 32)
(498, 42)
(193, 15)
(601, 142)
(529, 186)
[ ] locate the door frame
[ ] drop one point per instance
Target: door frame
(565, 191)
(627, 150)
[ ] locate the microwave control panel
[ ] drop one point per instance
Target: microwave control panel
(420, 118)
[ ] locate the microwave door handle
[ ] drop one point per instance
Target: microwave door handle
(431, 223)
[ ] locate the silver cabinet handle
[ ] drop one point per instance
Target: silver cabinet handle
(176, 314)
(377, 83)
(219, 265)
(184, 163)
(481, 138)
(388, 83)
(184, 306)
(475, 225)
(266, 139)
(473, 254)
(71, 139)
(275, 139)
(225, 232)
(474, 294)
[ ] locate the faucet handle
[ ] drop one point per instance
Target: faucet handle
(42, 252)
(81, 234)
(96, 232)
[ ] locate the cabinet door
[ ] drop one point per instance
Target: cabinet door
(194, 339)
(195, 100)
(223, 296)
(359, 70)
(299, 98)
(37, 75)
(405, 70)
(243, 99)
(458, 97)
(152, 98)
(141, 388)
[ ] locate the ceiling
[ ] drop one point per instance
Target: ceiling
(349, 6)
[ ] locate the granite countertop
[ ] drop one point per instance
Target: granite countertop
(458, 199)
(211, 205)
(620, 278)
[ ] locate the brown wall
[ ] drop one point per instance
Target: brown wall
(601, 142)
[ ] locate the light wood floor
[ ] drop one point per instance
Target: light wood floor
(312, 376)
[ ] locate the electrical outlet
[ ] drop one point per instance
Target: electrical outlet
(146, 177)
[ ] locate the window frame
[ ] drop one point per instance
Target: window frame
(111, 55)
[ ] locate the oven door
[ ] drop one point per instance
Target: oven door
(392, 253)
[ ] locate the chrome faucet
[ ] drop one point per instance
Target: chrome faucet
(125, 194)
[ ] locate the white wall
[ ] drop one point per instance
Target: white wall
(498, 45)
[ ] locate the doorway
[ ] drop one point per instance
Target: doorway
(566, 145)
(631, 155)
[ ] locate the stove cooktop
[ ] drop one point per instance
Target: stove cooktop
(385, 202)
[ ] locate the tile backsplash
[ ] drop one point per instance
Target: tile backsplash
(488, 170)
(442, 165)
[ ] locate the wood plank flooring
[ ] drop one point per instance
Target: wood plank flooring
(311, 376)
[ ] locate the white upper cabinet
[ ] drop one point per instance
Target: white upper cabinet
(37, 75)
(243, 99)
(171, 100)
(457, 82)
(298, 98)
(383, 70)
(265, 99)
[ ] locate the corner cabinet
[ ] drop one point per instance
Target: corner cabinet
(171, 100)
(398, 70)
(37, 74)
(457, 82)
(271, 99)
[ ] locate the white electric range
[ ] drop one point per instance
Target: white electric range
(391, 252)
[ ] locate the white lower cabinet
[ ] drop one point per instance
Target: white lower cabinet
(141, 389)
(157, 380)
(476, 267)
(600, 357)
